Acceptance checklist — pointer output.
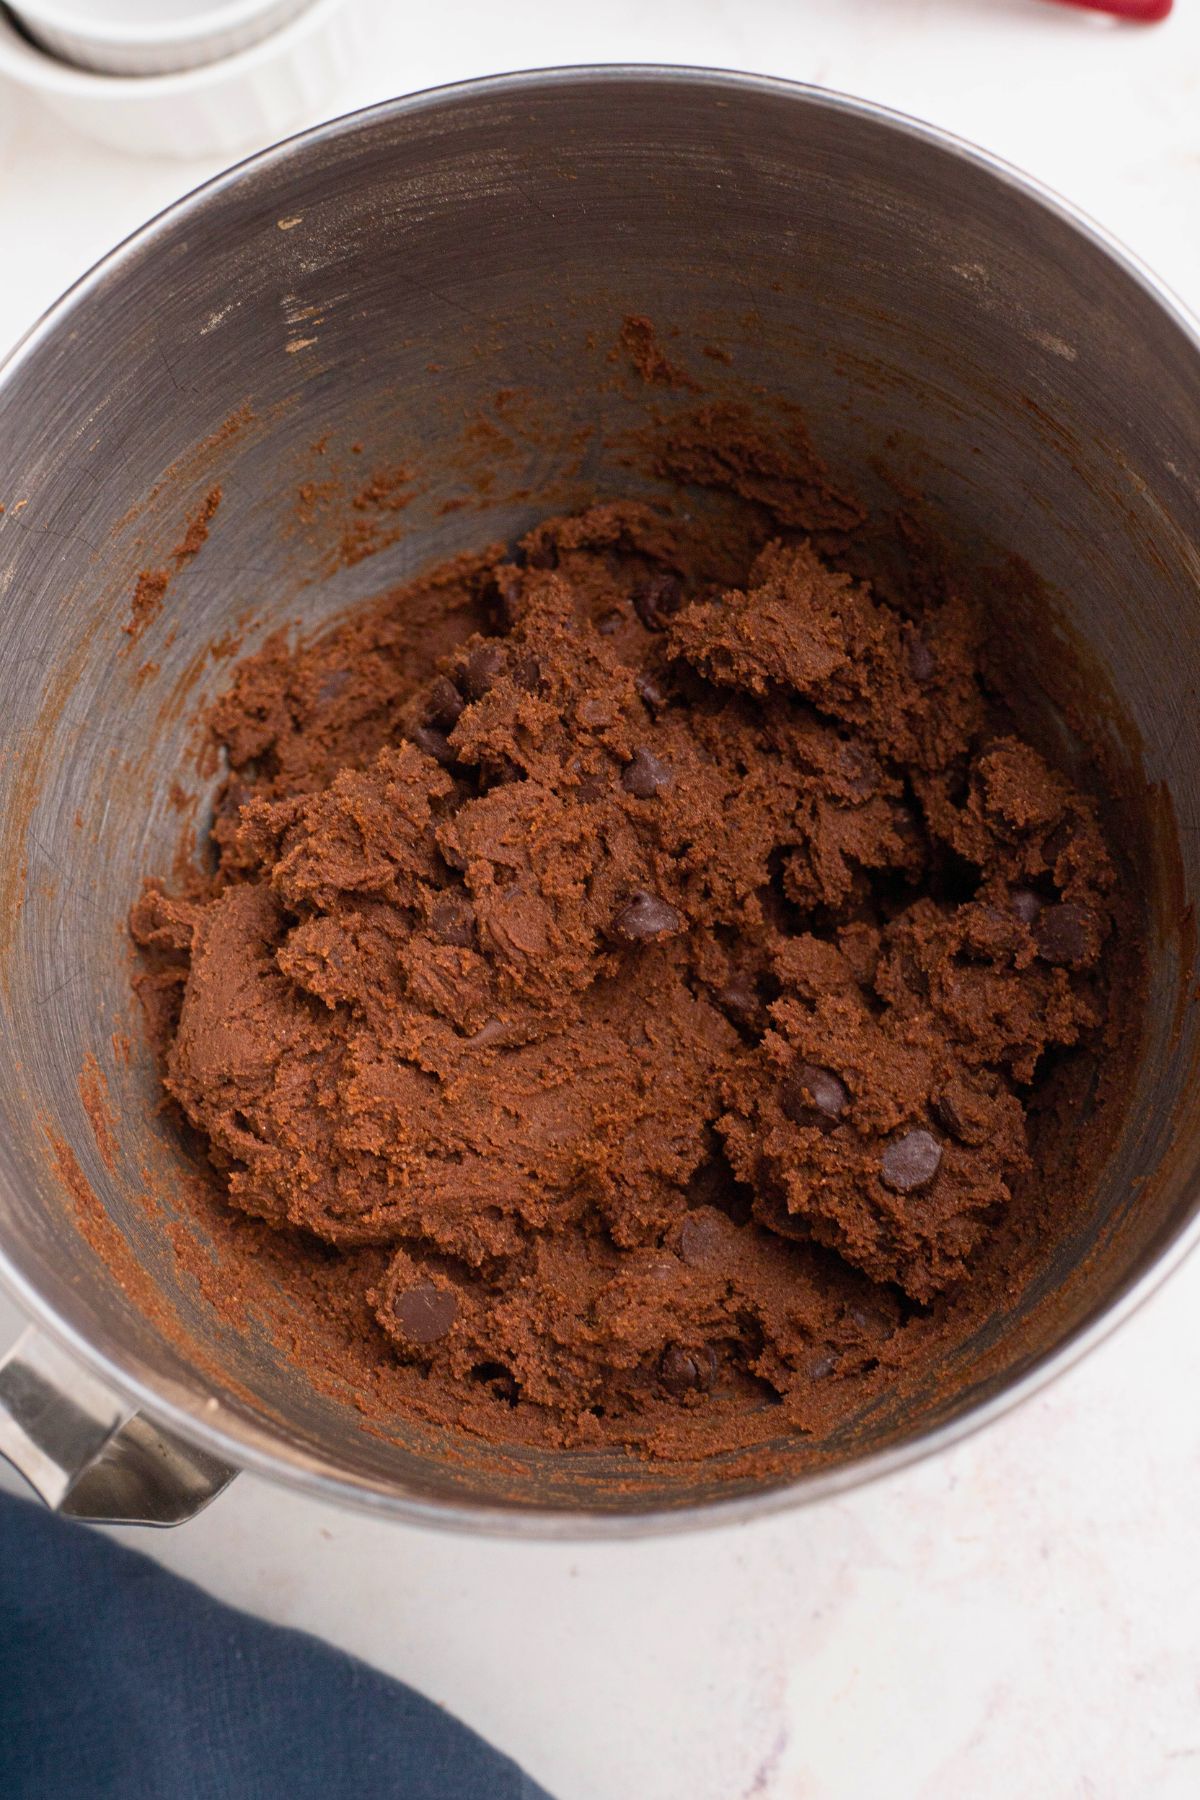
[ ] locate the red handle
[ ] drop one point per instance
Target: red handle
(1146, 12)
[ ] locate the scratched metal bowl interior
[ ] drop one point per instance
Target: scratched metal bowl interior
(379, 281)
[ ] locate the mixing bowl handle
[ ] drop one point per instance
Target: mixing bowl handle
(88, 1452)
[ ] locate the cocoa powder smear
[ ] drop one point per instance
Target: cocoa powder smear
(637, 954)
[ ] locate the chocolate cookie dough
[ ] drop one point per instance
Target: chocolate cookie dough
(641, 978)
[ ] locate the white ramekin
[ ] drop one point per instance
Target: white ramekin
(151, 37)
(253, 96)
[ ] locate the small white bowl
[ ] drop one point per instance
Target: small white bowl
(254, 96)
(151, 37)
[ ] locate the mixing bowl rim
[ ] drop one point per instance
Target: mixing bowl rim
(281, 1462)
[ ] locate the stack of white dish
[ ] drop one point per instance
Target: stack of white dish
(187, 78)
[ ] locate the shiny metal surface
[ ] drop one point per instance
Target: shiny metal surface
(379, 280)
(84, 1449)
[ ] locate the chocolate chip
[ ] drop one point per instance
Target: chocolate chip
(649, 692)
(335, 682)
(424, 1313)
(741, 1002)
(1026, 904)
(1065, 934)
(655, 599)
(820, 1367)
(700, 1238)
(812, 1095)
(609, 622)
(644, 775)
(526, 671)
(593, 712)
(434, 743)
(687, 1371)
(444, 704)
(542, 556)
(645, 917)
(873, 1320)
(495, 1031)
(922, 662)
(481, 669)
(910, 1162)
(945, 1110)
(453, 920)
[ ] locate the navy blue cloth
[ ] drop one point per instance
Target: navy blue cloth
(121, 1682)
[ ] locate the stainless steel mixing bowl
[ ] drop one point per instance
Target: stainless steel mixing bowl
(379, 279)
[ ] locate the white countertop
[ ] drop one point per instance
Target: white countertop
(1021, 1616)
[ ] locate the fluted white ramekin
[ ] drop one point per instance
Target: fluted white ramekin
(254, 96)
(151, 37)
